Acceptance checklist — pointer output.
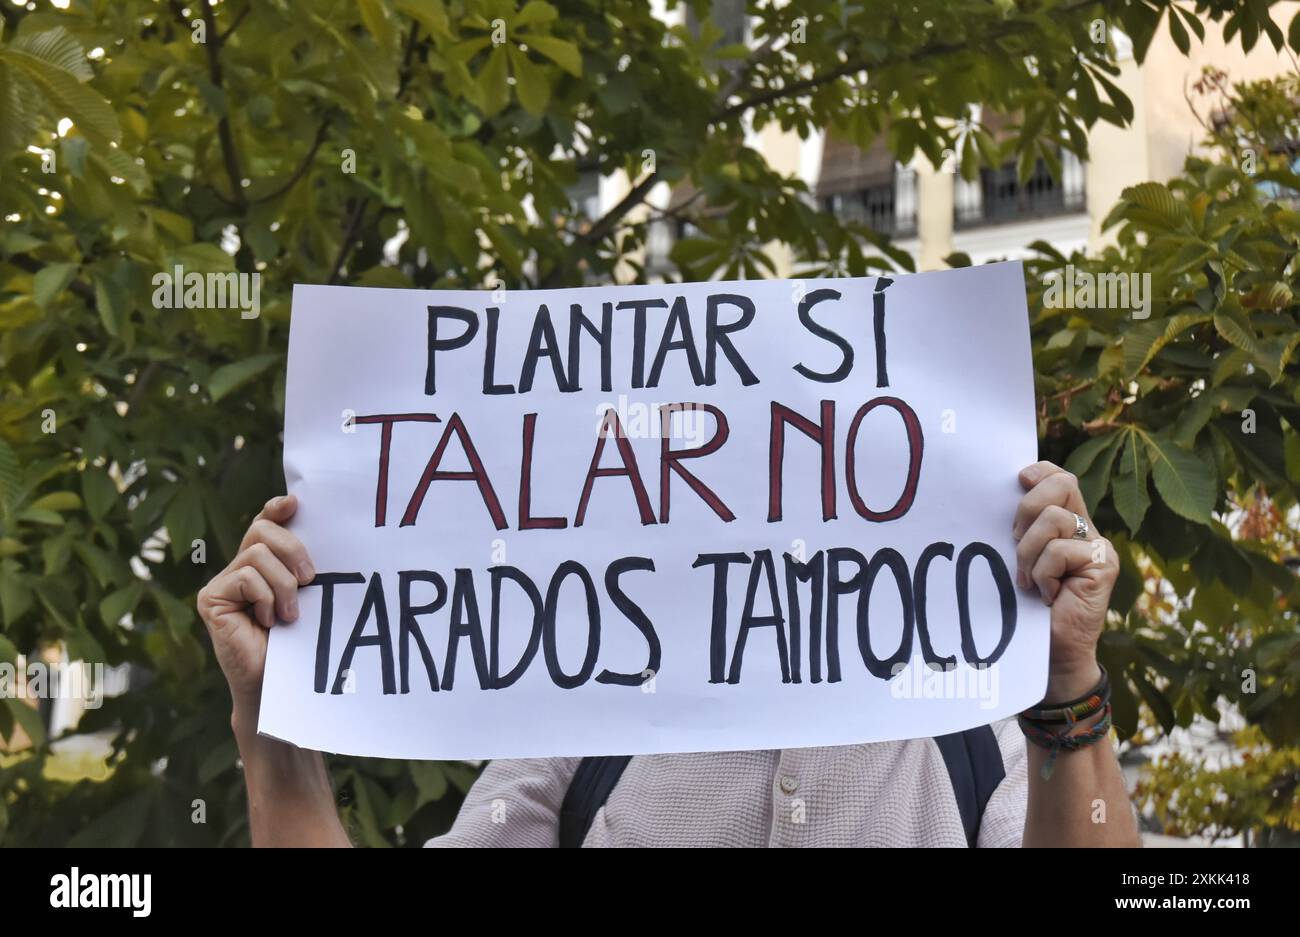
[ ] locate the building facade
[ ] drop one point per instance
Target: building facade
(932, 212)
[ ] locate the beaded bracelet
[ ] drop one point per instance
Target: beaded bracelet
(1057, 742)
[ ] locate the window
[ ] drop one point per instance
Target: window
(867, 187)
(999, 196)
(888, 206)
(727, 15)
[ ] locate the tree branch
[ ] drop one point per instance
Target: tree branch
(349, 236)
(302, 167)
(238, 19)
(353, 223)
(229, 155)
(404, 73)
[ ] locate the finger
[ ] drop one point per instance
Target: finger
(1054, 522)
(280, 509)
(1064, 559)
(282, 582)
(287, 547)
(234, 591)
(1031, 475)
(1059, 488)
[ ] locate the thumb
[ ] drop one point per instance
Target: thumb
(280, 509)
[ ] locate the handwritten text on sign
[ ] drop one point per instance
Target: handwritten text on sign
(656, 518)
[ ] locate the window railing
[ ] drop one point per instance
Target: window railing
(999, 196)
(662, 234)
(887, 207)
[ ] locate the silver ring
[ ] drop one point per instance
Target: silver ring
(1080, 528)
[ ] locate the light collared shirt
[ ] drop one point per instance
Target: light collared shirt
(882, 794)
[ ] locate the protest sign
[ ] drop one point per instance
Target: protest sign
(657, 518)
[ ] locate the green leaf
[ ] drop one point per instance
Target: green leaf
(375, 18)
(1178, 33)
(531, 84)
(1233, 325)
(177, 615)
(562, 53)
(431, 14)
(492, 83)
(15, 594)
(64, 94)
(430, 781)
(103, 566)
(231, 377)
(98, 491)
(1118, 98)
(11, 479)
(1129, 488)
(1155, 197)
(534, 13)
(58, 501)
(1185, 482)
(1083, 456)
(36, 515)
(60, 604)
(1158, 702)
(50, 281)
(1145, 340)
(184, 520)
(220, 759)
(56, 47)
(1094, 467)
(117, 604)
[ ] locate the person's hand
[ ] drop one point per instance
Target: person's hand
(247, 597)
(1075, 577)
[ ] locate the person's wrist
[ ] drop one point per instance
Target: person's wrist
(270, 763)
(243, 716)
(253, 748)
(1071, 682)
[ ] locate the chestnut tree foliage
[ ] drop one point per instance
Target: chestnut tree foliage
(296, 139)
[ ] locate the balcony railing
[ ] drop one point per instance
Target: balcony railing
(887, 207)
(662, 234)
(999, 196)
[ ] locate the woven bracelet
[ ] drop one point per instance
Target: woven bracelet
(1057, 742)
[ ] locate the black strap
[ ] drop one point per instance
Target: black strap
(975, 768)
(973, 760)
(587, 793)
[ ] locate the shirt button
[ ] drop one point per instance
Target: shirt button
(788, 784)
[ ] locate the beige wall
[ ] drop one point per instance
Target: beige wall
(1118, 157)
(784, 153)
(1167, 74)
(934, 206)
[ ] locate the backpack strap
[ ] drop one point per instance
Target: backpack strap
(975, 768)
(591, 786)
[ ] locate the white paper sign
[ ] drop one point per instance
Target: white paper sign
(524, 548)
